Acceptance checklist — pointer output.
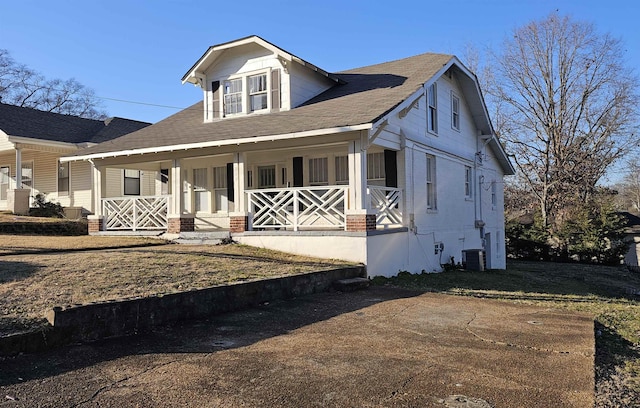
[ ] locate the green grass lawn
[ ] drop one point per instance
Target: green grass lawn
(610, 294)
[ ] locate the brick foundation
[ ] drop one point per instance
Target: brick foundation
(95, 225)
(238, 223)
(177, 225)
(361, 222)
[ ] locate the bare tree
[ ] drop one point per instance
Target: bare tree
(565, 107)
(22, 86)
(628, 198)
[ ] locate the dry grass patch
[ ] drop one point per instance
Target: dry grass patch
(31, 284)
(25, 244)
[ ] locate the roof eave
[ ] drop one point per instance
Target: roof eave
(218, 143)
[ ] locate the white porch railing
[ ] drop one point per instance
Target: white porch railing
(387, 201)
(135, 213)
(299, 207)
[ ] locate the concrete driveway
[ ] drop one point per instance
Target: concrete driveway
(380, 347)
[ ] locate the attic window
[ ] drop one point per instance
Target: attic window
(258, 92)
(233, 96)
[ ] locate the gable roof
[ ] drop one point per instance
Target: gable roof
(213, 52)
(366, 96)
(36, 124)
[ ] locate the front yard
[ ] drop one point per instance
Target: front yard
(610, 294)
(31, 283)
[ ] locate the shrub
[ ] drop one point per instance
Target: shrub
(44, 208)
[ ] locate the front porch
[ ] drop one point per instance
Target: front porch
(326, 208)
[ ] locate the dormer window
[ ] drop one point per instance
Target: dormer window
(258, 92)
(233, 96)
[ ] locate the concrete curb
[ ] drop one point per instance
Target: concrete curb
(95, 321)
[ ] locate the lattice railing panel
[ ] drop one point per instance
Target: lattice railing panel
(387, 201)
(296, 208)
(135, 213)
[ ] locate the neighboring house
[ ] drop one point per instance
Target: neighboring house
(31, 143)
(632, 231)
(395, 165)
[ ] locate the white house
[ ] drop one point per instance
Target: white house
(31, 143)
(395, 165)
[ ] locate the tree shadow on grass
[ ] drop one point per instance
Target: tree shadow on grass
(613, 352)
(11, 271)
(532, 280)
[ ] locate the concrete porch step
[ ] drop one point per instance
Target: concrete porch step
(202, 238)
(351, 285)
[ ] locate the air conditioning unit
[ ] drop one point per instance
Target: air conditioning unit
(474, 259)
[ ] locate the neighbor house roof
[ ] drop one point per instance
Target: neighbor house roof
(366, 96)
(36, 124)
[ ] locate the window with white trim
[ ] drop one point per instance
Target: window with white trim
(494, 194)
(342, 169)
(455, 112)
(164, 181)
(257, 92)
(221, 200)
(131, 182)
(468, 179)
(431, 182)
(266, 176)
(5, 178)
(432, 108)
(375, 169)
(27, 175)
(200, 191)
(63, 179)
(318, 171)
(233, 96)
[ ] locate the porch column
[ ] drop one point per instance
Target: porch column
(359, 215)
(239, 218)
(178, 220)
(18, 198)
(96, 220)
(18, 168)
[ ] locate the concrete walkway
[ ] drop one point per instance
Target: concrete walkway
(379, 347)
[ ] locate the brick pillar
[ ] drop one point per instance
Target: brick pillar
(238, 223)
(178, 224)
(361, 222)
(95, 224)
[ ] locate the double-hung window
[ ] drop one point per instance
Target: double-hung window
(375, 169)
(432, 109)
(233, 96)
(4, 181)
(63, 179)
(200, 190)
(257, 92)
(220, 188)
(468, 177)
(342, 169)
(318, 172)
(455, 112)
(131, 182)
(494, 194)
(431, 182)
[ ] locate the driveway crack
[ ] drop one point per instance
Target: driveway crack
(519, 346)
(120, 381)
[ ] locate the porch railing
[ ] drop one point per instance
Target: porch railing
(299, 208)
(136, 213)
(387, 201)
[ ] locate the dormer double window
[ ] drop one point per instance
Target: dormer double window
(247, 94)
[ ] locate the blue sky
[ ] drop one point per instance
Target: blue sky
(138, 50)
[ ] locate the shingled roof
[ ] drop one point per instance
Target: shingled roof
(36, 124)
(367, 95)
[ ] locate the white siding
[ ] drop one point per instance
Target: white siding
(305, 84)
